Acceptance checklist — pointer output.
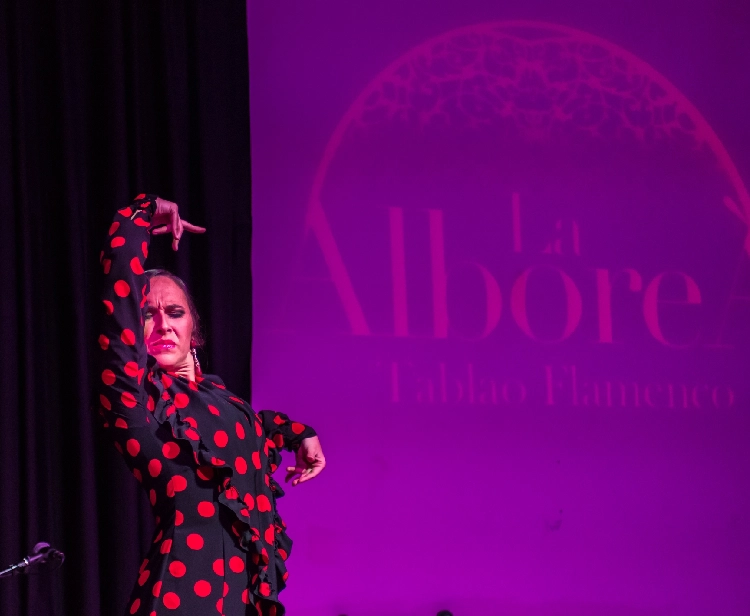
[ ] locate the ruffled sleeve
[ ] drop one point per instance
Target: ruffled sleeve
(285, 433)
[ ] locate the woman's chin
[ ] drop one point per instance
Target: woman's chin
(167, 360)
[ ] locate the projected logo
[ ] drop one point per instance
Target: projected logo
(525, 212)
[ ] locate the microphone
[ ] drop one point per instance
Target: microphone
(41, 554)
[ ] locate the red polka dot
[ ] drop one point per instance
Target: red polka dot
(236, 564)
(141, 223)
(269, 535)
(166, 546)
(108, 377)
(114, 227)
(226, 590)
(121, 423)
(202, 588)
(191, 421)
(205, 472)
(256, 459)
(279, 420)
(194, 541)
(170, 450)
(206, 509)
(240, 465)
(126, 211)
(103, 342)
(154, 467)
(218, 567)
(150, 405)
(128, 399)
(220, 606)
(192, 434)
(213, 409)
(143, 577)
(122, 288)
(108, 307)
(104, 401)
(152, 497)
(265, 589)
(135, 265)
(117, 242)
(231, 493)
(239, 428)
(179, 518)
(166, 380)
(298, 428)
(179, 483)
(263, 503)
(249, 501)
(128, 337)
(156, 590)
(133, 447)
(278, 439)
(131, 368)
(143, 566)
(171, 601)
(246, 596)
(283, 554)
(144, 249)
(258, 429)
(177, 569)
(135, 606)
(181, 401)
(220, 438)
(106, 266)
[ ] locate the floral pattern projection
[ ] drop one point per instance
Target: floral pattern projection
(545, 81)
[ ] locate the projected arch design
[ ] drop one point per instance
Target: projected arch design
(546, 80)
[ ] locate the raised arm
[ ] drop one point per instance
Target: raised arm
(123, 285)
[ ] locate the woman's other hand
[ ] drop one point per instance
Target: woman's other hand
(310, 461)
(166, 219)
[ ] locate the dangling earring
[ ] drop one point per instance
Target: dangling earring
(195, 359)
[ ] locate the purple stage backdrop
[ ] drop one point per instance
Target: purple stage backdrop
(501, 264)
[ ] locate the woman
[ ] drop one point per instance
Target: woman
(205, 459)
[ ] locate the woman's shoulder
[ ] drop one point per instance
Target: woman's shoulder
(212, 379)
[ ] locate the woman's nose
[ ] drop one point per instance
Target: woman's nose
(162, 323)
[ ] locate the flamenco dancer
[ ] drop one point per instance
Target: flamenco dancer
(204, 457)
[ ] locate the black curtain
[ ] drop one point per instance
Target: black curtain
(100, 101)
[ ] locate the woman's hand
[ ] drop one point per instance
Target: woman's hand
(166, 219)
(310, 461)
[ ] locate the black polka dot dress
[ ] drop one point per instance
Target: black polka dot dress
(203, 456)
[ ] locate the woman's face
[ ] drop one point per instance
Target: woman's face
(167, 324)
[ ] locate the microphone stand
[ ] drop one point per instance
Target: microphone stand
(41, 554)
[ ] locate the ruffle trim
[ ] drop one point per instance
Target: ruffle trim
(269, 556)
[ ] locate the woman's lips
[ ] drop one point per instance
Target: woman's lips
(163, 347)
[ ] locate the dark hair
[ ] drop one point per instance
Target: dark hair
(198, 339)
